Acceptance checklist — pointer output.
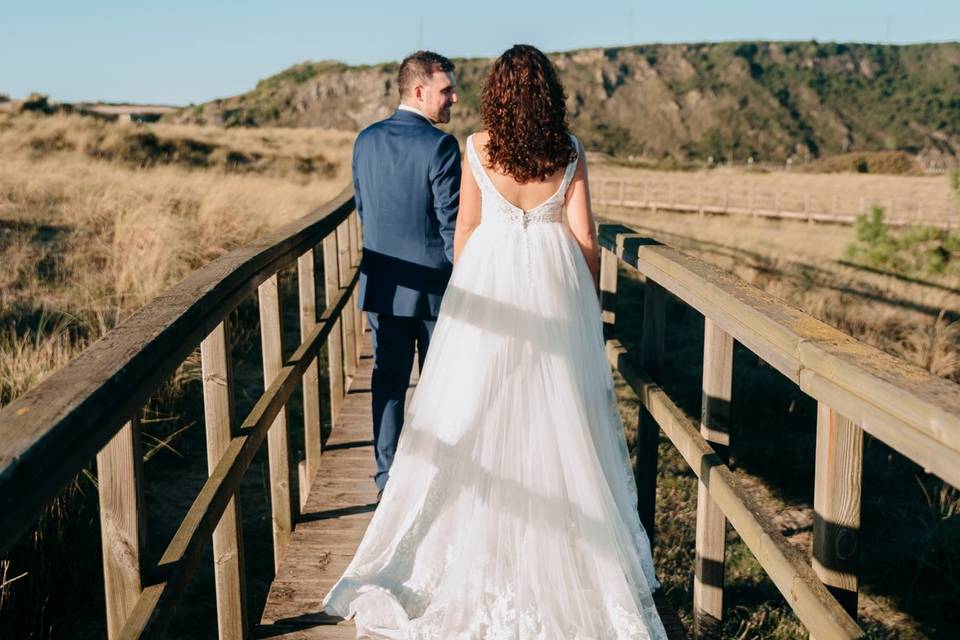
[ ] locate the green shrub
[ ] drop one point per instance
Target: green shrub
(955, 181)
(914, 249)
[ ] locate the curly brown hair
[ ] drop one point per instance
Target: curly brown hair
(522, 107)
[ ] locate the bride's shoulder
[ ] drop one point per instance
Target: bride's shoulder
(480, 138)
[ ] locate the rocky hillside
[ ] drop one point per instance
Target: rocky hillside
(771, 100)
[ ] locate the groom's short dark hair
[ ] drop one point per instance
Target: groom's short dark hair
(418, 67)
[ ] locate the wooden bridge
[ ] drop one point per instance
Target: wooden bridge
(90, 408)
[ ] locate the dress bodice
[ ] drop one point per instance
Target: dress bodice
(495, 208)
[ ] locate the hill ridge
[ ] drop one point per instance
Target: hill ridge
(767, 99)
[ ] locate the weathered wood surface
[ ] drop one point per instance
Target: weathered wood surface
(331, 279)
(711, 523)
(218, 409)
(278, 446)
(836, 505)
(307, 287)
(123, 523)
(340, 505)
(906, 407)
(787, 568)
(156, 604)
(77, 410)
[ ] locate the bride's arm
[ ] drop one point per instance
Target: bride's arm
(469, 215)
(580, 217)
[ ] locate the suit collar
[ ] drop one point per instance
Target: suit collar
(411, 116)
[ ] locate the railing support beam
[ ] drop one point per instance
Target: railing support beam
(836, 505)
(331, 277)
(228, 565)
(278, 448)
(307, 283)
(123, 531)
(711, 523)
(648, 435)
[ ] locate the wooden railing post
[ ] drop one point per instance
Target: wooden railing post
(648, 435)
(331, 277)
(711, 523)
(608, 292)
(123, 531)
(307, 284)
(228, 566)
(355, 254)
(348, 317)
(836, 505)
(278, 453)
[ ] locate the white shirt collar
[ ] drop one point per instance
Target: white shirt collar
(406, 107)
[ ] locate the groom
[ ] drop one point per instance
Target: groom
(406, 177)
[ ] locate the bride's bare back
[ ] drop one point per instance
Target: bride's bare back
(528, 196)
(525, 196)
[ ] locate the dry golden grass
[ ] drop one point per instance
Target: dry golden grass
(84, 241)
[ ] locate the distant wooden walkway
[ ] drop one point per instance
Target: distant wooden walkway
(340, 506)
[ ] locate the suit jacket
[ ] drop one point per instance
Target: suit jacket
(406, 177)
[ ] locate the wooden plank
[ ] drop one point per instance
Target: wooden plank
(228, 566)
(336, 515)
(836, 505)
(648, 435)
(711, 523)
(77, 410)
(331, 275)
(307, 284)
(349, 319)
(816, 607)
(901, 404)
(123, 526)
(278, 447)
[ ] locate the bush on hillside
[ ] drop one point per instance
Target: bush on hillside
(883, 162)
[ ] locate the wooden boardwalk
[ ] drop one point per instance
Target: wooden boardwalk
(338, 509)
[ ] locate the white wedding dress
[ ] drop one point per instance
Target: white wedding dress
(510, 512)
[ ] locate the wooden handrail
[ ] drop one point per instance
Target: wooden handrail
(859, 388)
(71, 416)
(157, 603)
(906, 407)
(795, 579)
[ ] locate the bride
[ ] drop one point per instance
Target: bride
(511, 507)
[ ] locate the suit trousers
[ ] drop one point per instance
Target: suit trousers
(395, 340)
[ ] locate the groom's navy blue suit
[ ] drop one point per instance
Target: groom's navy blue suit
(406, 177)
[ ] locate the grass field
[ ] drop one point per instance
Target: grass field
(98, 218)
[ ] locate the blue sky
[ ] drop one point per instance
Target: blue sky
(174, 51)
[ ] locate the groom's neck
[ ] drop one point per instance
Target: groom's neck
(412, 107)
